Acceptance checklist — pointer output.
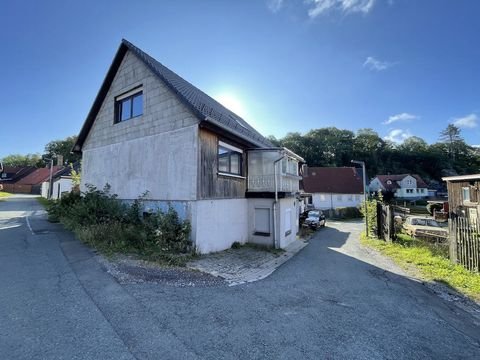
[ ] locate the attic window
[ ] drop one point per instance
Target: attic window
(389, 182)
(129, 105)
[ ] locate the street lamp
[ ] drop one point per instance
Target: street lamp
(364, 191)
(50, 180)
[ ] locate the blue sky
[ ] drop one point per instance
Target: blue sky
(400, 67)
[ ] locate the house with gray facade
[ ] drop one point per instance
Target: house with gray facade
(151, 130)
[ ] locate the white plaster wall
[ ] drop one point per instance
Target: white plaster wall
(284, 204)
(66, 185)
(259, 239)
(44, 191)
(404, 183)
(217, 224)
(156, 151)
(375, 185)
(164, 164)
(331, 200)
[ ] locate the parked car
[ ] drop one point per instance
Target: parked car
(314, 219)
(422, 227)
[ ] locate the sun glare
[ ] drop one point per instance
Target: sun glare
(232, 103)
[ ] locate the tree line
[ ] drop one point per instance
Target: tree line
(52, 150)
(336, 147)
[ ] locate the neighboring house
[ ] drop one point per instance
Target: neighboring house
(32, 183)
(464, 196)
(405, 186)
(334, 187)
(62, 182)
(11, 174)
(151, 130)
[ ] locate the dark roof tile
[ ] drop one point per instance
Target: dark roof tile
(336, 180)
(203, 106)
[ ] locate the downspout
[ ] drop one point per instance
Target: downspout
(276, 243)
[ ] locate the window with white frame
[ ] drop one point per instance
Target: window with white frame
(322, 197)
(466, 194)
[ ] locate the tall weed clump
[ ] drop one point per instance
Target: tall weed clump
(100, 219)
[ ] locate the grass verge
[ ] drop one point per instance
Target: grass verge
(431, 262)
(4, 195)
(43, 201)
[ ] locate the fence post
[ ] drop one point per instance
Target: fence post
(379, 221)
(452, 240)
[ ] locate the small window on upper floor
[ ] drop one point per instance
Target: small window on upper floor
(466, 194)
(129, 105)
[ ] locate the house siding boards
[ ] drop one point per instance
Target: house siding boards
(456, 202)
(162, 111)
(210, 184)
(162, 142)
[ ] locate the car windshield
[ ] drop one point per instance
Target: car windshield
(425, 222)
(433, 223)
(313, 214)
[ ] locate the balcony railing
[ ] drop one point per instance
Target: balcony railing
(265, 183)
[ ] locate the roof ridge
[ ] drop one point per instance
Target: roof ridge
(201, 108)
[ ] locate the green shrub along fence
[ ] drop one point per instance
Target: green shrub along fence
(102, 220)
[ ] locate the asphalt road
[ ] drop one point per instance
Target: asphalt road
(334, 300)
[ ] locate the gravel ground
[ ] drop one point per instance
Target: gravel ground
(128, 270)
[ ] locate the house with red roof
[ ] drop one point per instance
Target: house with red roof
(404, 186)
(334, 187)
(31, 184)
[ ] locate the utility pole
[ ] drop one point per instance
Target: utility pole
(365, 195)
(50, 185)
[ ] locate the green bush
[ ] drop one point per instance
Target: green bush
(100, 219)
(348, 213)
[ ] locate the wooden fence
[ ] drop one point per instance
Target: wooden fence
(464, 241)
(385, 222)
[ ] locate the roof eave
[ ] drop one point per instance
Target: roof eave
(107, 81)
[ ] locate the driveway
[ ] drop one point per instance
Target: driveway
(332, 300)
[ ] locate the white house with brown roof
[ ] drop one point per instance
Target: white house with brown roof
(404, 186)
(334, 187)
(151, 130)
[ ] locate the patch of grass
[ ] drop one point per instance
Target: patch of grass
(4, 195)
(432, 263)
(43, 201)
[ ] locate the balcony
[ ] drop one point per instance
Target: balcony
(261, 174)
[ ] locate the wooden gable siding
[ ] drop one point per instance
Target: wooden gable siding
(210, 184)
(455, 196)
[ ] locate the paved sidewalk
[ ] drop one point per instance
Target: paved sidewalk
(245, 265)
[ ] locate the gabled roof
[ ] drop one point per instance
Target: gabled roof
(203, 106)
(14, 173)
(336, 180)
(39, 175)
(394, 178)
